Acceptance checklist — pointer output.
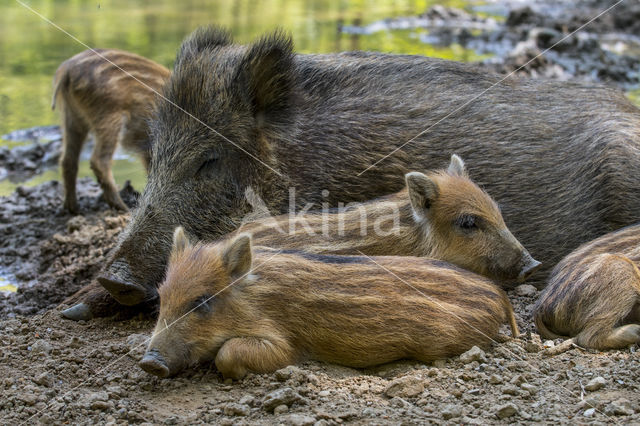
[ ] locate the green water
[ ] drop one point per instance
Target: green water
(31, 49)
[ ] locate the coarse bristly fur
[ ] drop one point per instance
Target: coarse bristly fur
(349, 310)
(110, 93)
(442, 215)
(560, 158)
(593, 295)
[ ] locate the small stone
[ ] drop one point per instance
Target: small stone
(529, 388)
(324, 393)
(137, 344)
(298, 420)
(510, 390)
(41, 346)
(473, 354)
(290, 372)
(495, 379)
(548, 344)
(405, 387)
(280, 409)
(233, 409)
(619, 407)
(451, 411)
(506, 410)
(589, 412)
(286, 396)
(102, 405)
(44, 379)
(526, 290)
(595, 384)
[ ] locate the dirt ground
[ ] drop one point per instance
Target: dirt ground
(55, 371)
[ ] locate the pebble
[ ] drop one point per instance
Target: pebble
(280, 409)
(526, 290)
(137, 344)
(405, 387)
(595, 384)
(506, 410)
(451, 411)
(590, 412)
(495, 379)
(619, 407)
(529, 388)
(290, 372)
(298, 420)
(44, 379)
(41, 346)
(233, 409)
(473, 354)
(286, 396)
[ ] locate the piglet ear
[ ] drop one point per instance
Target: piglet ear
(180, 240)
(456, 167)
(237, 255)
(423, 191)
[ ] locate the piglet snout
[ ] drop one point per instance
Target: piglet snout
(153, 363)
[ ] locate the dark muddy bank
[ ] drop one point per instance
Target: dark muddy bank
(50, 253)
(606, 50)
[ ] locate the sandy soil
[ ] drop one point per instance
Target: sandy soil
(55, 371)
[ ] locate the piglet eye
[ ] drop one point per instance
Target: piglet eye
(201, 305)
(467, 222)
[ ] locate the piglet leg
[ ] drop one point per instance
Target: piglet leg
(240, 355)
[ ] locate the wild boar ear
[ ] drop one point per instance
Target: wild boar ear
(180, 240)
(202, 39)
(456, 167)
(423, 191)
(237, 255)
(267, 70)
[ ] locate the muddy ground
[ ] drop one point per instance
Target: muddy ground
(56, 371)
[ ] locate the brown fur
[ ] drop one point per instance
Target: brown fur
(294, 305)
(424, 219)
(94, 95)
(594, 293)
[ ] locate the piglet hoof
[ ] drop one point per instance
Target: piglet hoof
(71, 206)
(77, 312)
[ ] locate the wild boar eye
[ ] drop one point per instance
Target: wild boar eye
(467, 222)
(209, 165)
(201, 305)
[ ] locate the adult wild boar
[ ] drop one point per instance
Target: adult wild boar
(443, 215)
(560, 158)
(111, 93)
(260, 309)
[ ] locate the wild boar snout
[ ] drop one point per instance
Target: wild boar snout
(154, 363)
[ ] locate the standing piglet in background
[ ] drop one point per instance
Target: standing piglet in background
(110, 93)
(593, 295)
(293, 305)
(442, 215)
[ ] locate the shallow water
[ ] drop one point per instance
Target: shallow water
(31, 49)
